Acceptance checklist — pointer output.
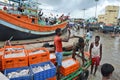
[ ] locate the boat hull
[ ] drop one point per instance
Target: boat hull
(21, 28)
(6, 33)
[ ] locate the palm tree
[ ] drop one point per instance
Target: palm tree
(96, 8)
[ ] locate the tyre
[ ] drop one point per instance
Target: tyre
(84, 75)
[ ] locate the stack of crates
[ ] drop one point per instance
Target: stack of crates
(69, 66)
(17, 57)
(13, 61)
(38, 55)
(41, 71)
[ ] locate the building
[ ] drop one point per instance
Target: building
(101, 18)
(110, 16)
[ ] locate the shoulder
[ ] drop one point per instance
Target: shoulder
(57, 37)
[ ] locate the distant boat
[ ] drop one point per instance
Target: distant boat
(20, 27)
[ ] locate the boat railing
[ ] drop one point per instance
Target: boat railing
(24, 24)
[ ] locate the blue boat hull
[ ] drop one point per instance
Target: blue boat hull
(6, 33)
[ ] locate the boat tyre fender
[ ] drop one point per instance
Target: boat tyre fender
(84, 75)
(48, 45)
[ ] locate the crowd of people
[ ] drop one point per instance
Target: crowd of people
(52, 19)
(42, 19)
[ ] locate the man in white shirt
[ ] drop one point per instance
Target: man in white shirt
(95, 54)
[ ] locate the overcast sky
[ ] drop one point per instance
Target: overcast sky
(75, 7)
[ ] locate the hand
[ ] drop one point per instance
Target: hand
(74, 58)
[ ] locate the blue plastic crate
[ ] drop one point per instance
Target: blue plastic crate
(27, 77)
(43, 75)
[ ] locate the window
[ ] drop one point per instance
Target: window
(111, 10)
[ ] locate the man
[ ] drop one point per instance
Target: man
(58, 48)
(87, 38)
(95, 54)
(79, 46)
(106, 71)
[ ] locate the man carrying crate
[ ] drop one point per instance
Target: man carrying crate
(79, 46)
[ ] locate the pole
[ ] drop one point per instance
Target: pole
(96, 8)
(84, 13)
(84, 21)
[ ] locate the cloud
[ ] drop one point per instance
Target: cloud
(66, 6)
(75, 7)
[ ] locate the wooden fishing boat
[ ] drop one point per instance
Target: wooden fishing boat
(21, 27)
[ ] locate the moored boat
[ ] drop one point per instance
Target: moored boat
(20, 27)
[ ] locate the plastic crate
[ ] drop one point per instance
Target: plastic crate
(87, 55)
(14, 47)
(52, 78)
(39, 57)
(27, 77)
(70, 69)
(0, 65)
(43, 75)
(15, 61)
(1, 54)
(8, 63)
(53, 58)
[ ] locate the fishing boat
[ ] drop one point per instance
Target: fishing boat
(21, 27)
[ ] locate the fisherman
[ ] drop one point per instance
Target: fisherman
(40, 13)
(20, 9)
(95, 53)
(79, 46)
(106, 71)
(33, 20)
(58, 48)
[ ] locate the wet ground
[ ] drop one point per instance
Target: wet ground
(111, 53)
(111, 50)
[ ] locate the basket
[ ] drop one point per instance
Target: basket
(14, 61)
(26, 77)
(42, 75)
(39, 56)
(69, 69)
